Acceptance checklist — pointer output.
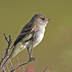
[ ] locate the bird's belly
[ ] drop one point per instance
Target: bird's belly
(38, 39)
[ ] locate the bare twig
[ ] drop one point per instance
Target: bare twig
(21, 65)
(45, 69)
(22, 68)
(9, 43)
(7, 68)
(7, 49)
(18, 63)
(11, 64)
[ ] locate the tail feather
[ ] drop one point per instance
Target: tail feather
(6, 62)
(14, 52)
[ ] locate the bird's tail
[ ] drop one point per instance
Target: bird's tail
(14, 52)
(8, 59)
(6, 62)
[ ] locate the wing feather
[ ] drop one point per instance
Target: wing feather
(28, 28)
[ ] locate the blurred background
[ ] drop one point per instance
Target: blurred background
(55, 51)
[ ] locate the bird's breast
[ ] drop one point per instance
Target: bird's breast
(38, 37)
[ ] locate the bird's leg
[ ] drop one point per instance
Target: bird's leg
(32, 39)
(32, 49)
(31, 58)
(29, 53)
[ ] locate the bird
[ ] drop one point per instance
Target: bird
(30, 36)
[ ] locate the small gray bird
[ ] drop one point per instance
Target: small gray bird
(30, 36)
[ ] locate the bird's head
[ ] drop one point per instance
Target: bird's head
(40, 19)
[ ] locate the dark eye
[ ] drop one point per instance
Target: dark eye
(42, 18)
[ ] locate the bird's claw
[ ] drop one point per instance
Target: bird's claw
(32, 59)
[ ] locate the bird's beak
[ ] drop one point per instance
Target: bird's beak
(50, 20)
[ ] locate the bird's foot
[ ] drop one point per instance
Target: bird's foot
(32, 59)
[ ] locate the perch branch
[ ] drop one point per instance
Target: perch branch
(7, 49)
(45, 69)
(21, 65)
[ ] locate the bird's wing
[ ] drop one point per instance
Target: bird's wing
(28, 28)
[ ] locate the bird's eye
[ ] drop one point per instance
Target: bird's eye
(42, 18)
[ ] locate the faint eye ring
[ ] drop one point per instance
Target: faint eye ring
(42, 18)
